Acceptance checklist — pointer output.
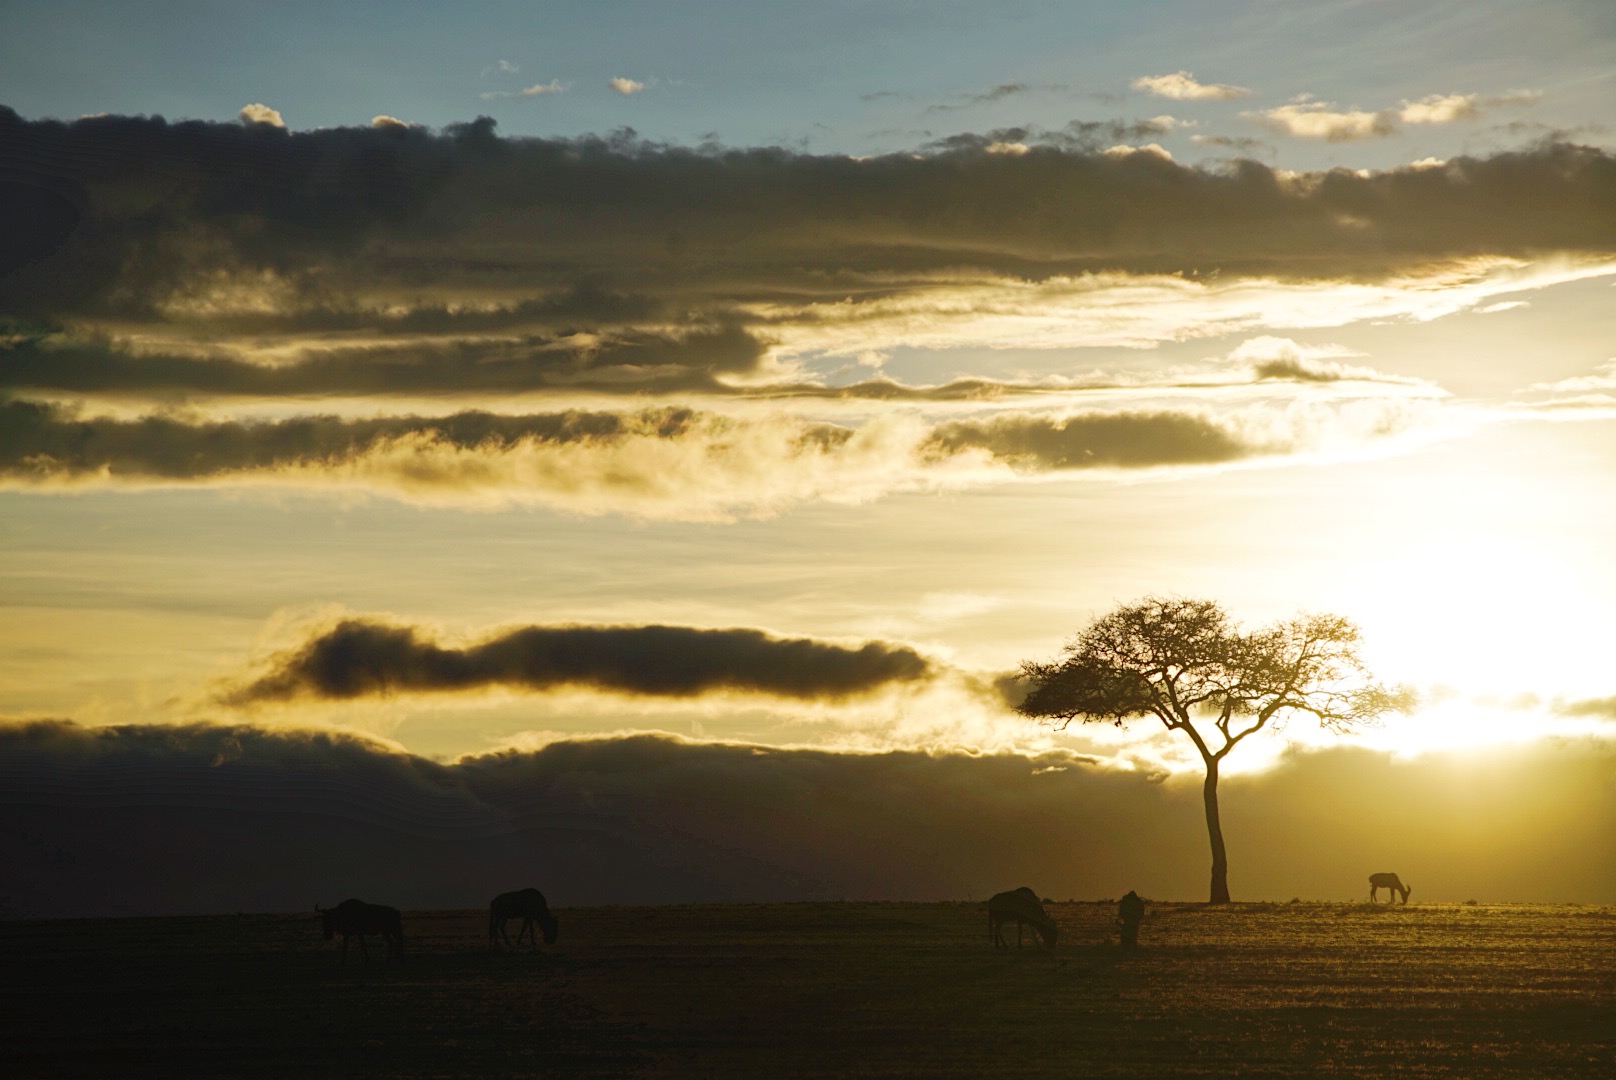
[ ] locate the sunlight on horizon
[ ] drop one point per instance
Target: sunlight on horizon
(726, 430)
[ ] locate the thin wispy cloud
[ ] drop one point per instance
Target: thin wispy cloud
(1245, 146)
(995, 94)
(554, 86)
(1603, 380)
(1183, 86)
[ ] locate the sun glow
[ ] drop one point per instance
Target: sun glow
(1486, 613)
(1470, 724)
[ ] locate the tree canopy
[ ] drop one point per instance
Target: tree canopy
(1185, 662)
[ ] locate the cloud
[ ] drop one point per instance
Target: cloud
(1076, 136)
(217, 818)
(986, 97)
(360, 657)
(1447, 108)
(1135, 311)
(1318, 120)
(1602, 708)
(498, 364)
(659, 464)
(261, 114)
(501, 67)
(388, 220)
(1182, 86)
(1241, 145)
(53, 438)
(1309, 119)
(626, 87)
(1602, 380)
(385, 293)
(385, 121)
(673, 463)
(1121, 440)
(554, 86)
(1149, 148)
(1580, 397)
(1000, 92)
(38, 215)
(1303, 369)
(1030, 443)
(1439, 109)
(1281, 358)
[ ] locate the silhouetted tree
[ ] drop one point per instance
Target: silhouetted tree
(1185, 663)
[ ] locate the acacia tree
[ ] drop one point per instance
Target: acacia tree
(1185, 663)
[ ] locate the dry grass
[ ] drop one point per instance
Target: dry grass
(856, 989)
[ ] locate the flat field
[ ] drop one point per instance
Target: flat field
(840, 989)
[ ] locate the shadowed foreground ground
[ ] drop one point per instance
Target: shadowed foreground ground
(828, 990)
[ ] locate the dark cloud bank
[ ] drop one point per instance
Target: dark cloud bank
(631, 361)
(40, 441)
(119, 215)
(145, 820)
(359, 657)
(195, 262)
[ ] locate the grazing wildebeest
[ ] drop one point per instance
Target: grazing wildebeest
(529, 906)
(357, 917)
(1391, 883)
(1021, 905)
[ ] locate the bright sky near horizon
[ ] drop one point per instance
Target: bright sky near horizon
(789, 375)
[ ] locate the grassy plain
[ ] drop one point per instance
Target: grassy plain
(844, 989)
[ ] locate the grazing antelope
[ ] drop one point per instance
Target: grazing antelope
(527, 905)
(1021, 905)
(357, 917)
(1391, 883)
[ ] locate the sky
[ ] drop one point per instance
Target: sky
(702, 410)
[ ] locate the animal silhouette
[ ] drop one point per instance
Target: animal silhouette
(355, 917)
(527, 905)
(1130, 913)
(1022, 906)
(1391, 883)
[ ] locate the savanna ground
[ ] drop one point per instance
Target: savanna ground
(844, 989)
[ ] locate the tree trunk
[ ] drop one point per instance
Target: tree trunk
(1214, 831)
